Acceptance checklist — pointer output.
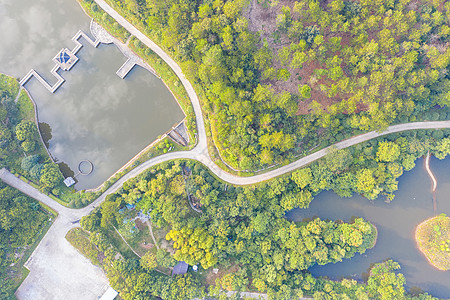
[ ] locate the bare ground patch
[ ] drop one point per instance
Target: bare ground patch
(262, 20)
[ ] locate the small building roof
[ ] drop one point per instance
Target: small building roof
(130, 206)
(180, 268)
(63, 57)
(110, 294)
(69, 181)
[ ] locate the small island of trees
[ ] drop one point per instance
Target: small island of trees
(433, 239)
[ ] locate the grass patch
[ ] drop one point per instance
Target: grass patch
(433, 238)
(119, 244)
(142, 241)
(79, 238)
(25, 106)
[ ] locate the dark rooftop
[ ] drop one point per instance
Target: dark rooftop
(180, 268)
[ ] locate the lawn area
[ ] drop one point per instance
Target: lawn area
(26, 107)
(139, 242)
(119, 244)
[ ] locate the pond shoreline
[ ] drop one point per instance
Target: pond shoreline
(417, 235)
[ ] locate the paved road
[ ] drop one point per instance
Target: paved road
(175, 67)
(200, 152)
(56, 266)
(58, 271)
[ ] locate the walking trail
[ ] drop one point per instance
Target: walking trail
(51, 263)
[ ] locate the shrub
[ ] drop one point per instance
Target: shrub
(36, 171)
(29, 146)
(25, 130)
(29, 162)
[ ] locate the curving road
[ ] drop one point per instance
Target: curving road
(57, 269)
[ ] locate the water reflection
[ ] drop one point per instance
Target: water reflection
(396, 223)
(94, 115)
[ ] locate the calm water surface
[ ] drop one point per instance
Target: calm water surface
(97, 116)
(94, 115)
(396, 223)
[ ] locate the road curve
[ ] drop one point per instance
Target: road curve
(68, 217)
(200, 152)
(173, 65)
(54, 244)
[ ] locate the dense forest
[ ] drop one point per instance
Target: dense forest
(243, 230)
(240, 230)
(276, 77)
(22, 220)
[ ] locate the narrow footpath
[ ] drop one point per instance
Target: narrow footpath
(58, 271)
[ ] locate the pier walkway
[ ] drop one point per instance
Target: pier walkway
(101, 36)
(132, 59)
(126, 68)
(60, 65)
(50, 88)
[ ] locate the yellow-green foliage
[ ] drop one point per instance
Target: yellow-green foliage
(193, 246)
(433, 238)
(80, 240)
(8, 85)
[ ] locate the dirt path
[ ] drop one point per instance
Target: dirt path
(151, 233)
(125, 241)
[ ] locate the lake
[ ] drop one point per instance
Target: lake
(396, 223)
(94, 115)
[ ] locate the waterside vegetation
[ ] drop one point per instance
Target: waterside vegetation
(21, 148)
(241, 231)
(433, 239)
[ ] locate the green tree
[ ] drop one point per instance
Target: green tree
(28, 146)
(25, 130)
(305, 91)
(148, 261)
(28, 162)
(50, 176)
(384, 284)
(302, 177)
(388, 151)
(365, 181)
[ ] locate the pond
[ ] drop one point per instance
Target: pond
(94, 115)
(396, 223)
